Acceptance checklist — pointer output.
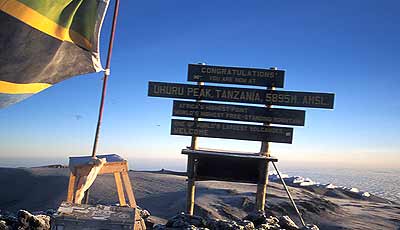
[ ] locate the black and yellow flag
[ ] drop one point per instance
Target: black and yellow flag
(43, 42)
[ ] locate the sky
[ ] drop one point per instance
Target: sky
(350, 48)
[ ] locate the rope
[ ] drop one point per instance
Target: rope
(290, 196)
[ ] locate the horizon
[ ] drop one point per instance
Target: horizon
(179, 163)
(346, 48)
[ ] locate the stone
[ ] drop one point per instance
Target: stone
(144, 214)
(186, 221)
(257, 218)
(159, 227)
(248, 225)
(224, 225)
(272, 223)
(27, 221)
(272, 220)
(3, 225)
(310, 227)
(247, 203)
(287, 223)
(266, 227)
(9, 220)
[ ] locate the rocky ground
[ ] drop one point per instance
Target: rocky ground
(218, 203)
(254, 221)
(24, 220)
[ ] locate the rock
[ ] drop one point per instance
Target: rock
(248, 225)
(230, 225)
(224, 225)
(247, 204)
(310, 227)
(3, 225)
(144, 214)
(257, 218)
(159, 227)
(50, 212)
(269, 227)
(272, 220)
(186, 221)
(272, 223)
(287, 223)
(27, 221)
(9, 220)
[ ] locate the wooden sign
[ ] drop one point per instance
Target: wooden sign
(231, 131)
(207, 165)
(236, 75)
(238, 113)
(241, 95)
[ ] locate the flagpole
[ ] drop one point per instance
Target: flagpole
(104, 89)
(106, 74)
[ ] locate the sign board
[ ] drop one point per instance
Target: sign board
(241, 95)
(232, 131)
(236, 75)
(226, 167)
(238, 113)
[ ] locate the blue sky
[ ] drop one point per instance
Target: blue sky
(350, 48)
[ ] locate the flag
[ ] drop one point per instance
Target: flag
(43, 42)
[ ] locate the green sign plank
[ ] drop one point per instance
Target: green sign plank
(236, 75)
(232, 131)
(241, 95)
(238, 113)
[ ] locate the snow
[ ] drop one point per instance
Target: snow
(355, 190)
(305, 182)
(331, 186)
(366, 194)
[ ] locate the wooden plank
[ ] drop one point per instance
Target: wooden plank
(238, 113)
(109, 167)
(242, 95)
(71, 188)
(224, 153)
(120, 190)
(128, 189)
(232, 131)
(236, 75)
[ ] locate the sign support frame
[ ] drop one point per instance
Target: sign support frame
(191, 165)
(261, 194)
(201, 160)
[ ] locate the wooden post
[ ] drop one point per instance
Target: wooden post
(106, 75)
(128, 189)
(71, 188)
(190, 187)
(120, 189)
(262, 185)
(104, 88)
(191, 172)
